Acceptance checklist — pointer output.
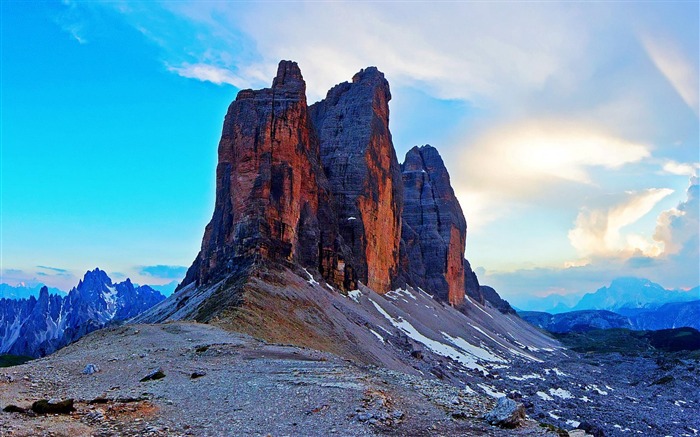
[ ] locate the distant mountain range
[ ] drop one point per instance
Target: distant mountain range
(633, 293)
(39, 326)
(166, 289)
(621, 294)
(666, 316)
(23, 291)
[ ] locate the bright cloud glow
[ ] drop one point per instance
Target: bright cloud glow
(598, 232)
(539, 150)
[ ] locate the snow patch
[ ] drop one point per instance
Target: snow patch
(469, 389)
(491, 391)
(596, 389)
(469, 348)
(560, 392)
(544, 396)
(525, 377)
(377, 335)
(435, 346)
(555, 371)
(311, 280)
(573, 423)
(500, 343)
(355, 295)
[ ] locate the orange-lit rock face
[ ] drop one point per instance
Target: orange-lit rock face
(434, 229)
(321, 187)
(454, 274)
(267, 187)
(360, 163)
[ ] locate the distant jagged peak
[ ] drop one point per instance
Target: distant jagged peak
(94, 277)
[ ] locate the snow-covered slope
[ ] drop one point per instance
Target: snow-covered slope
(406, 329)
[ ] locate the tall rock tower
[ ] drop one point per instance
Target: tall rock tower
(434, 229)
(268, 181)
(365, 178)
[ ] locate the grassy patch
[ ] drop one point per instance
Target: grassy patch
(628, 342)
(13, 360)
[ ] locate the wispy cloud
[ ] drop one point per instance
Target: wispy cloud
(681, 73)
(55, 269)
(164, 271)
(71, 20)
(209, 73)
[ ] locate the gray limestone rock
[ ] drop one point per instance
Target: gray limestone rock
(506, 414)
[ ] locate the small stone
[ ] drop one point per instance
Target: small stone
(363, 417)
(90, 369)
(97, 415)
(154, 375)
(197, 374)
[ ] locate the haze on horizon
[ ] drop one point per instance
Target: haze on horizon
(570, 130)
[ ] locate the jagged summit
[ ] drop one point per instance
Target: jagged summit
(319, 237)
(37, 327)
(359, 160)
(320, 187)
(434, 228)
(288, 74)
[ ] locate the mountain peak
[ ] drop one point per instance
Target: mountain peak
(95, 276)
(288, 74)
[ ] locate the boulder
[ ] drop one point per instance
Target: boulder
(506, 414)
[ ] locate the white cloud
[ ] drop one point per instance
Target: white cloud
(537, 163)
(677, 229)
(676, 67)
(598, 231)
(543, 149)
(681, 169)
(209, 73)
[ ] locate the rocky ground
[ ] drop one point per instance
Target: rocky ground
(650, 394)
(218, 382)
(221, 383)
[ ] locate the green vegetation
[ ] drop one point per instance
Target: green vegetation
(628, 342)
(13, 360)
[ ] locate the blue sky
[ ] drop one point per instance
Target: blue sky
(570, 129)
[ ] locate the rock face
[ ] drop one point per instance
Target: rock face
(434, 229)
(268, 182)
(37, 327)
(320, 187)
(360, 162)
(472, 288)
(490, 295)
